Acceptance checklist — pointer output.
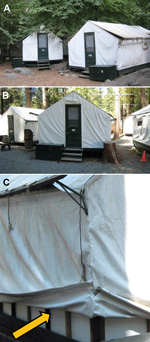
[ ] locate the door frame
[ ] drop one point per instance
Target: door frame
(8, 122)
(66, 121)
(43, 48)
(92, 34)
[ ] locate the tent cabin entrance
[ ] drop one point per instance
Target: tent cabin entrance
(11, 127)
(89, 40)
(42, 46)
(73, 126)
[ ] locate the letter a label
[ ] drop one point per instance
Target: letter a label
(6, 8)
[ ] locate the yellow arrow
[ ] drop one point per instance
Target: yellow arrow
(33, 324)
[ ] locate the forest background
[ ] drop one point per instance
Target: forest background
(129, 99)
(64, 18)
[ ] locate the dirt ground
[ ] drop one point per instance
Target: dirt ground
(41, 78)
(52, 78)
(18, 160)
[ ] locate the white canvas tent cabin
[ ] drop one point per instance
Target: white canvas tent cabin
(128, 125)
(41, 47)
(76, 256)
(75, 123)
(16, 119)
(141, 128)
(108, 44)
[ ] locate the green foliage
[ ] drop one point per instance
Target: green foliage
(16, 98)
(130, 100)
(11, 22)
(54, 95)
(93, 95)
(109, 102)
(64, 18)
(36, 98)
(142, 10)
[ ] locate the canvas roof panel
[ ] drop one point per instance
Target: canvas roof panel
(28, 114)
(142, 111)
(124, 31)
(19, 182)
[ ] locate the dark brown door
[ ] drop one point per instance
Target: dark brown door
(42, 46)
(89, 49)
(73, 125)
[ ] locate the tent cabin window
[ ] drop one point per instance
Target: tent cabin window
(42, 40)
(73, 125)
(89, 40)
(73, 116)
(139, 123)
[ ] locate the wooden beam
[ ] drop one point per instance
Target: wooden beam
(1, 307)
(28, 313)
(148, 325)
(97, 329)
(13, 309)
(68, 324)
(48, 325)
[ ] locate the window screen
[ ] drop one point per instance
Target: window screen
(42, 40)
(89, 43)
(73, 116)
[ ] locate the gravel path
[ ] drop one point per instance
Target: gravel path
(18, 160)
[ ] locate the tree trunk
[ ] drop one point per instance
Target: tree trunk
(110, 153)
(143, 97)
(28, 97)
(117, 113)
(44, 97)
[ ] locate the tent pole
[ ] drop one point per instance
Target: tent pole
(81, 195)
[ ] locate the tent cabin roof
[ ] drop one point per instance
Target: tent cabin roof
(20, 183)
(69, 98)
(41, 29)
(142, 111)
(28, 114)
(124, 31)
(120, 30)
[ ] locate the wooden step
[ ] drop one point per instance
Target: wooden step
(73, 149)
(71, 159)
(85, 72)
(72, 154)
(84, 76)
(44, 68)
(43, 65)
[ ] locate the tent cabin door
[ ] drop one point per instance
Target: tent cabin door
(11, 127)
(89, 40)
(73, 126)
(42, 46)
